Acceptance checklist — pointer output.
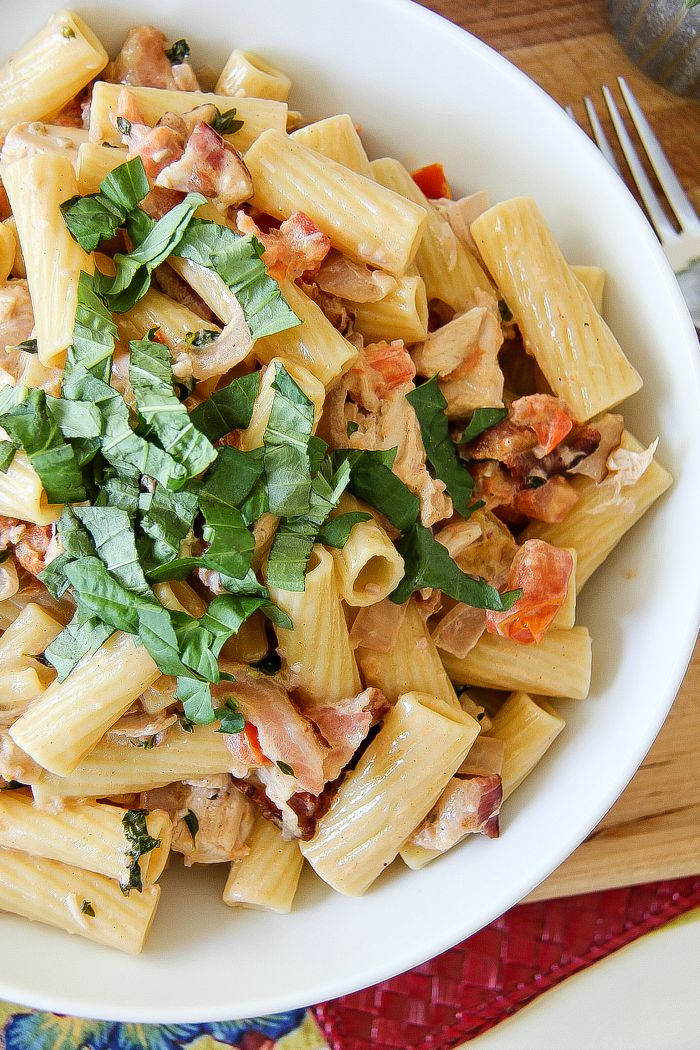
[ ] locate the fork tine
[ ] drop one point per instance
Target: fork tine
(659, 219)
(675, 193)
(600, 136)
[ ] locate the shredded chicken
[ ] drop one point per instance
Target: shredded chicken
(464, 353)
(16, 314)
(594, 466)
(461, 214)
(219, 818)
(348, 279)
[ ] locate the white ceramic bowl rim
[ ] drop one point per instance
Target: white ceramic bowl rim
(191, 969)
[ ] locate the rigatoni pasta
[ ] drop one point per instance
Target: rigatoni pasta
(307, 486)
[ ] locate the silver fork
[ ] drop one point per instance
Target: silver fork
(682, 248)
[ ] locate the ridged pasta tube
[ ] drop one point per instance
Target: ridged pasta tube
(527, 727)
(336, 137)
(49, 70)
(578, 354)
(246, 74)
(394, 785)
(36, 187)
(68, 720)
(267, 878)
(22, 495)
(364, 220)
(368, 567)
(402, 314)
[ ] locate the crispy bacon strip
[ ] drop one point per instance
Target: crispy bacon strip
(209, 165)
(466, 806)
(296, 249)
(542, 572)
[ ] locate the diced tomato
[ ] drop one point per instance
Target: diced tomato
(546, 415)
(543, 573)
(432, 181)
(391, 366)
(158, 337)
(253, 740)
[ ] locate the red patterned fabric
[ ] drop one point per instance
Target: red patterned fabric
(494, 973)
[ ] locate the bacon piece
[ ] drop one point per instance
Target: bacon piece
(224, 818)
(157, 147)
(285, 734)
(348, 279)
(16, 314)
(502, 442)
(345, 725)
(485, 757)
(297, 248)
(578, 445)
(377, 626)
(142, 61)
(542, 572)
(548, 416)
(466, 806)
(158, 202)
(550, 502)
(209, 166)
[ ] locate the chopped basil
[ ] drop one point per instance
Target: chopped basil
(140, 843)
(7, 454)
(178, 53)
(192, 823)
(97, 216)
(229, 408)
(428, 564)
(87, 909)
(269, 664)
(30, 346)
(230, 717)
(482, 419)
(429, 404)
(372, 480)
(225, 123)
(285, 768)
(336, 531)
(202, 337)
(123, 125)
(67, 32)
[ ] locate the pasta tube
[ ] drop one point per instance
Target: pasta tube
(267, 878)
(450, 271)
(68, 720)
(366, 221)
(22, 494)
(318, 650)
(252, 437)
(336, 137)
(36, 187)
(527, 727)
(88, 835)
(421, 744)
(368, 567)
(247, 74)
(315, 343)
(93, 163)
(60, 895)
(402, 314)
(49, 70)
(27, 635)
(559, 665)
(413, 663)
(578, 354)
(593, 280)
(257, 114)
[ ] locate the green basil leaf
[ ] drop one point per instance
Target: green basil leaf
(286, 442)
(483, 419)
(178, 53)
(7, 454)
(151, 379)
(336, 532)
(94, 333)
(140, 843)
(225, 123)
(230, 408)
(126, 186)
(372, 480)
(111, 531)
(166, 519)
(91, 219)
(429, 404)
(238, 262)
(428, 564)
(82, 637)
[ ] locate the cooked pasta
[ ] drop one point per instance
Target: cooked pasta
(290, 456)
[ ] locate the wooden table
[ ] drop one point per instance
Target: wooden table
(653, 831)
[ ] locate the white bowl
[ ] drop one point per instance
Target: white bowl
(424, 90)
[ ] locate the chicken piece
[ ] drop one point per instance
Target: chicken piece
(210, 166)
(34, 545)
(380, 370)
(594, 465)
(464, 353)
(212, 821)
(16, 314)
(347, 279)
(297, 248)
(142, 61)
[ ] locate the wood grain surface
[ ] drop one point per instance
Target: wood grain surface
(653, 831)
